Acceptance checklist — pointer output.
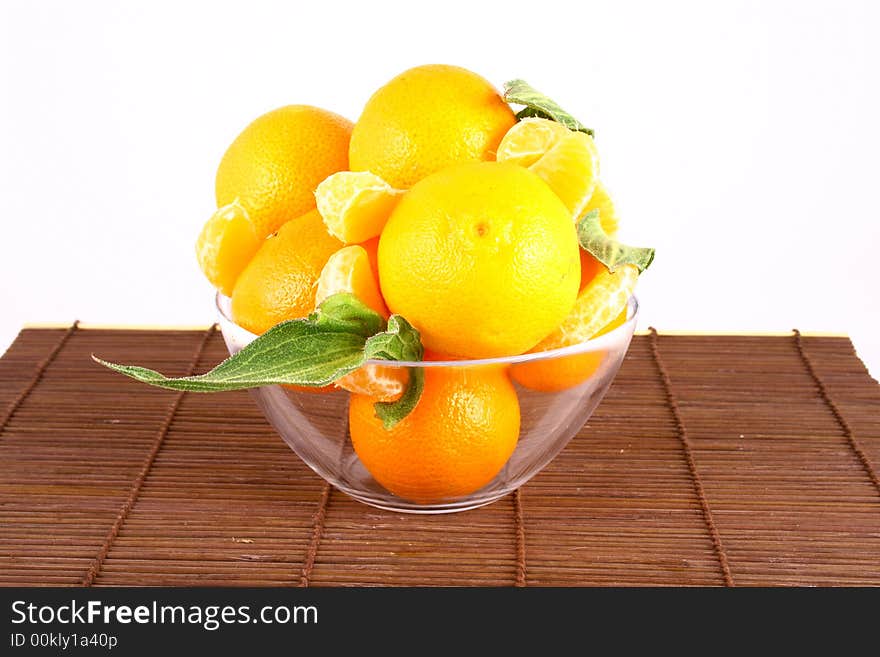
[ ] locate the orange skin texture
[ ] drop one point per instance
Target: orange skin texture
(267, 177)
(426, 119)
(279, 283)
(482, 258)
(555, 374)
(274, 165)
(455, 441)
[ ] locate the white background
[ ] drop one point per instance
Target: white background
(740, 139)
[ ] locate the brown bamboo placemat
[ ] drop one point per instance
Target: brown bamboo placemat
(712, 460)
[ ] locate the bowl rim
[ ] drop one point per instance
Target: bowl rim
(598, 343)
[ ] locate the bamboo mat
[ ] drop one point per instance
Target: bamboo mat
(713, 460)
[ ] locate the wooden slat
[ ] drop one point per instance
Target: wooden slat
(618, 505)
(790, 497)
(223, 501)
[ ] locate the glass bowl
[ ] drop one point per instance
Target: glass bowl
(316, 424)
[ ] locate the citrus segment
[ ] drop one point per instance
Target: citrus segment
(274, 165)
(382, 383)
(570, 170)
(600, 307)
(561, 373)
(482, 258)
(355, 205)
(226, 245)
(352, 269)
(279, 282)
(455, 441)
(529, 140)
(567, 161)
(349, 270)
(601, 201)
(426, 119)
(603, 299)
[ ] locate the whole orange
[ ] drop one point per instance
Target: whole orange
(279, 282)
(426, 119)
(459, 436)
(268, 176)
(273, 167)
(482, 258)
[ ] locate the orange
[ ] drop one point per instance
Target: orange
(226, 245)
(600, 307)
(355, 204)
(426, 119)
(456, 440)
(564, 159)
(279, 282)
(275, 164)
(482, 258)
(267, 177)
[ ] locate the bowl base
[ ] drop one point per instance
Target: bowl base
(423, 509)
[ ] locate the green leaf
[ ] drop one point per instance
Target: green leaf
(399, 342)
(314, 351)
(393, 412)
(608, 251)
(538, 105)
(335, 340)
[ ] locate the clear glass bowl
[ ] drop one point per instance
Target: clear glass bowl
(316, 426)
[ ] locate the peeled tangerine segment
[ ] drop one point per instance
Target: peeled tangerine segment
(355, 205)
(601, 201)
(226, 245)
(566, 160)
(600, 307)
(597, 304)
(350, 270)
(382, 383)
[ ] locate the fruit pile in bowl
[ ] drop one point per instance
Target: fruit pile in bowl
(427, 304)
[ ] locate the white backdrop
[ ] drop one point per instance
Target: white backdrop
(741, 139)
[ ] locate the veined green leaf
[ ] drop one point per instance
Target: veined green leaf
(335, 340)
(520, 92)
(399, 342)
(393, 412)
(608, 251)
